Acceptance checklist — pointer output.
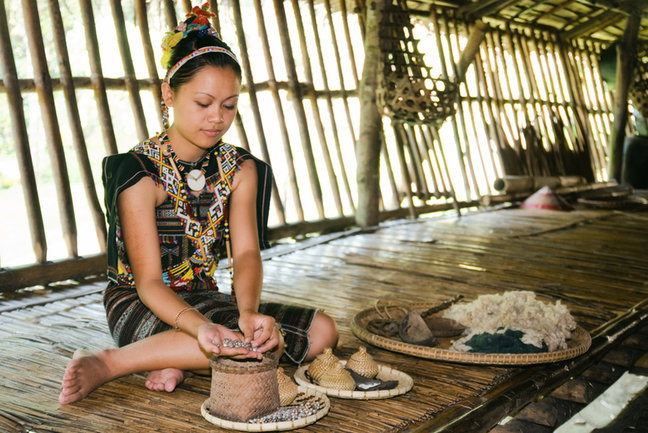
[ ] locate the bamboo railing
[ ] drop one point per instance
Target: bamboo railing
(530, 103)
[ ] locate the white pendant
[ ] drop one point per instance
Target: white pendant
(196, 180)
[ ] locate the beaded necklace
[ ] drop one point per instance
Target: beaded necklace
(202, 235)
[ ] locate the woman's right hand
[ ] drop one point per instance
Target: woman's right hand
(211, 336)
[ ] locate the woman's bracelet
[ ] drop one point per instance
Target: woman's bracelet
(180, 313)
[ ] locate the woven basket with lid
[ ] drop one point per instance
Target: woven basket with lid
(245, 389)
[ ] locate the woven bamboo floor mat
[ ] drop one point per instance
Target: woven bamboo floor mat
(593, 261)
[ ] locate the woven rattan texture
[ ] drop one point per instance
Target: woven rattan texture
(247, 392)
(406, 90)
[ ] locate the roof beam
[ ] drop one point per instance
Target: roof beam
(588, 27)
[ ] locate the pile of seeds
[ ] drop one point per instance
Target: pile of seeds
(302, 407)
(238, 343)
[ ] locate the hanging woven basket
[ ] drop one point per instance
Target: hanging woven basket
(406, 90)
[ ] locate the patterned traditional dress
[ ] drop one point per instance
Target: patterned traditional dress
(186, 269)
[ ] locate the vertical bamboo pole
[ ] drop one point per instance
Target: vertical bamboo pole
(601, 94)
(486, 109)
(256, 113)
(535, 96)
(504, 83)
(605, 127)
(347, 36)
(458, 120)
(549, 103)
(274, 90)
(317, 117)
(187, 5)
(584, 134)
(43, 83)
(604, 97)
(338, 62)
(329, 102)
(388, 168)
(215, 21)
(444, 75)
(368, 146)
(97, 78)
(543, 122)
(129, 70)
(625, 69)
(21, 142)
(446, 170)
(406, 178)
(424, 146)
(149, 57)
(417, 162)
(597, 151)
(296, 96)
(238, 121)
(170, 14)
(75, 123)
(439, 174)
(466, 57)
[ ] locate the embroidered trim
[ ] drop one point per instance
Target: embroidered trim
(177, 190)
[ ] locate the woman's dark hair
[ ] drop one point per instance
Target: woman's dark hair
(190, 43)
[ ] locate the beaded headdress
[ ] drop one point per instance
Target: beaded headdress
(197, 21)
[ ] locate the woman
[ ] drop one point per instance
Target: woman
(171, 203)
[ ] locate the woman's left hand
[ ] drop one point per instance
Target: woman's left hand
(259, 330)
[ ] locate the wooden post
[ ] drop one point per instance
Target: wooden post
(21, 141)
(43, 83)
(97, 78)
(129, 70)
(368, 147)
(624, 71)
(75, 124)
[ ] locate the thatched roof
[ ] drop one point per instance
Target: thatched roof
(598, 19)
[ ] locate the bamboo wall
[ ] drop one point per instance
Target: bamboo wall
(530, 104)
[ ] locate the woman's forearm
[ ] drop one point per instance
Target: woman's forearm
(169, 307)
(248, 281)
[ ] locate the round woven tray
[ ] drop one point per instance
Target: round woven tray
(405, 383)
(577, 345)
(270, 426)
(632, 202)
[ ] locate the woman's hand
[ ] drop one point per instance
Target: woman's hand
(259, 330)
(211, 337)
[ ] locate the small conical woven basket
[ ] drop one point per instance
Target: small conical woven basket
(242, 390)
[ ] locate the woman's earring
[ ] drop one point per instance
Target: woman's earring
(165, 114)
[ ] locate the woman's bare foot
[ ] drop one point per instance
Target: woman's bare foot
(83, 374)
(166, 379)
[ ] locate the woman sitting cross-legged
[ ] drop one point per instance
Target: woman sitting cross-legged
(172, 202)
